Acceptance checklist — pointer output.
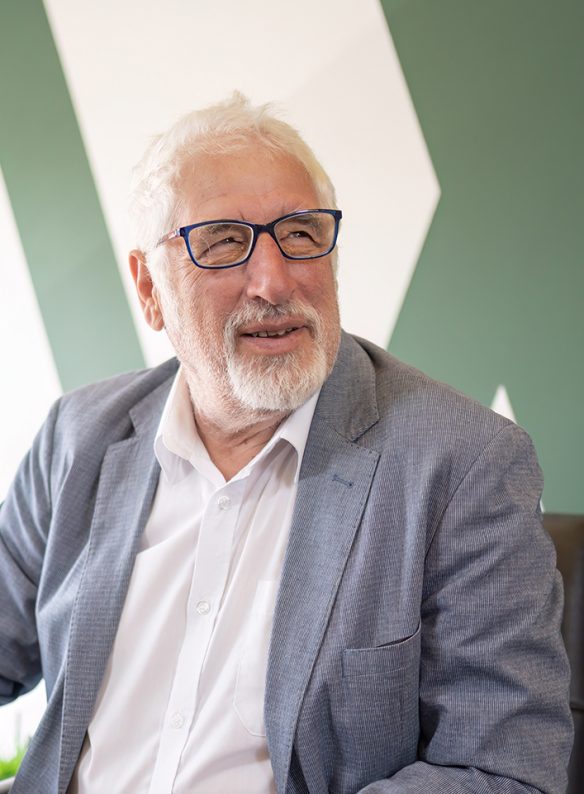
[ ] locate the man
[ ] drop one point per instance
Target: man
(292, 564)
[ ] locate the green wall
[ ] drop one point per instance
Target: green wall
(498, 293)
(56, 207)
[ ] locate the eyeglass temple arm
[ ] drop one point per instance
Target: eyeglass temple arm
(170, 236)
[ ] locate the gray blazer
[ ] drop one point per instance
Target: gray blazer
(416, 644)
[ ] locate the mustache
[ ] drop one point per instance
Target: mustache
(261, 311)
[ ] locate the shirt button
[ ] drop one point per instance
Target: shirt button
(203, 607)
(177, 720)
(224, 503)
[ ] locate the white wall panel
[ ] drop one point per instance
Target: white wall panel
(29, 378)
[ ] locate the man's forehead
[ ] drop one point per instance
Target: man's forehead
(205, 168)
(245, 178)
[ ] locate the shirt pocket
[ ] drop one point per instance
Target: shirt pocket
(250, 683)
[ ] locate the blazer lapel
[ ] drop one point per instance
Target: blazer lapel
(334, 484)
(127, 483)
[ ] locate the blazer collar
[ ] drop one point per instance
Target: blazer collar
(146, 413)
(348, 401)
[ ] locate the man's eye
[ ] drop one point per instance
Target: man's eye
(298, 234)
(226, 241)
(218, 244)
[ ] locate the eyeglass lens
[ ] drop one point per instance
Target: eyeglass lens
(302, 236)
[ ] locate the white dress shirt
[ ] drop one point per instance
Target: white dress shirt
(180, 708)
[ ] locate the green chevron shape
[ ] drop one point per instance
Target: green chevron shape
(56, 207)
(498, 293)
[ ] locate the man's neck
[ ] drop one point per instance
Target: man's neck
(231, 448)
(232, 434)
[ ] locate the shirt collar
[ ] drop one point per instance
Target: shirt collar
(179, 449)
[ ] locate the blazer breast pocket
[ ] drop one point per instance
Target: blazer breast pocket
(374, 705)
(383, 660)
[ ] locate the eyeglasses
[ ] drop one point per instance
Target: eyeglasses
(308, 234)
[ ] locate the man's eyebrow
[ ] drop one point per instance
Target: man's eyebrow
(215, 226)
(303, 220)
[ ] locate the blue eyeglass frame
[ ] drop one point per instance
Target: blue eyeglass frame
(257, 229)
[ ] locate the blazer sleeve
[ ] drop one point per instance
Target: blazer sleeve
(494, 678)
(24, 521)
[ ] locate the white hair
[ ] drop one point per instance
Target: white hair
(223, 128)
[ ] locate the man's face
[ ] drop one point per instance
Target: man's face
(213, 317)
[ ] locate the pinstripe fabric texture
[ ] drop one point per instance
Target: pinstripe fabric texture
(416, 644)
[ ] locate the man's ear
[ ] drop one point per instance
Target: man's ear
(147, 292)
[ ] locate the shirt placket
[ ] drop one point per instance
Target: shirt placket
(206, 592)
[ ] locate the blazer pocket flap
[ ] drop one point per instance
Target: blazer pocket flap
(383, 659)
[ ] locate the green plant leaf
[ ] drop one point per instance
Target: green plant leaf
(9, 766)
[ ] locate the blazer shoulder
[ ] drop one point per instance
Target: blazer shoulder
(425, 408)
(429, 436)
(100, 413)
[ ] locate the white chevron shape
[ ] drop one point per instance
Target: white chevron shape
(502, 404)
(27, 361)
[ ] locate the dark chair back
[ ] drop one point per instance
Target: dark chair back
(568, 535)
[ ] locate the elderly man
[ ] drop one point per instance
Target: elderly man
(286, 562)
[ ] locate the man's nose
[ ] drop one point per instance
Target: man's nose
(269, 273)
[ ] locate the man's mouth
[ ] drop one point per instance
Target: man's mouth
(265, 334)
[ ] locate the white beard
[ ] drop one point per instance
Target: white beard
(275, 383)
(231, 389)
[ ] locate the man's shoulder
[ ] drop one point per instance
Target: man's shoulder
(419, 405)
(126, 388)
(105, 409)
